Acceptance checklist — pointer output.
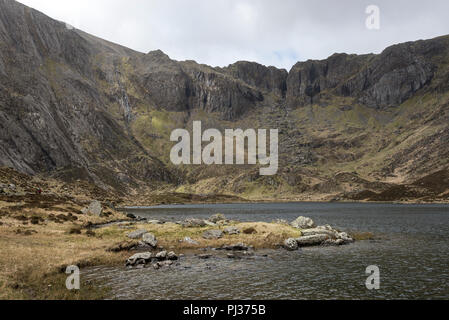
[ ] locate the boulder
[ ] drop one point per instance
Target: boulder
(194, 223)
(291, 244)
(303, 223)
(190, 241)
(138, 234)
(95, 208)
(149, 239)
(345, 237)
(154, 222)
(139, 258)
(210, 224)
(213, 234)
(317, 231)
(162, 255)
(231, 231)
(172, 256)
(315, 240)
(217, 217)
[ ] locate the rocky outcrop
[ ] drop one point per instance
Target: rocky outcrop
(159, 260)
(315, 236)
(303, 223)
(213, 234)
(267, 79)
(95, 208)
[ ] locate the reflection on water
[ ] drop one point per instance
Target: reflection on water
(412, 253)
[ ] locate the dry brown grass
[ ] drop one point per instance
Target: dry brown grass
(267, 235)
(36, 247)
(33, 256)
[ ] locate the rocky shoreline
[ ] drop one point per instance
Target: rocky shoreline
(152, 254)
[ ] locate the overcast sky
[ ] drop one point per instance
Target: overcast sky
(279, 33)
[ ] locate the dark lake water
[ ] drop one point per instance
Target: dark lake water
(412, 252)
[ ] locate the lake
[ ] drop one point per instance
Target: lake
(411, 249)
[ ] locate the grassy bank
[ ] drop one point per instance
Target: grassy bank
(38, 242)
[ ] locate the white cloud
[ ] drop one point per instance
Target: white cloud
(279, 33)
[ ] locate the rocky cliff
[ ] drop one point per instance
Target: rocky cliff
(79, 107)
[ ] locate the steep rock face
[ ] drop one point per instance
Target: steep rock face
(267, 79)
(53, 109)
(182, 86)
(214, 92)
(166, 83)
(393, 76)
(308, 80)
(377, 81)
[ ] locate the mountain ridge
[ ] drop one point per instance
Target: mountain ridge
(79, 107)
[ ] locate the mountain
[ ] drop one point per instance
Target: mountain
(362, 127)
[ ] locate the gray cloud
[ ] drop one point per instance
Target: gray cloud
(280, 33)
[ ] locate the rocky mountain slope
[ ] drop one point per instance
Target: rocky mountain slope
(77, 107)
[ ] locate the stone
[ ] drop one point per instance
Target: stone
(172, 256)
(231, 231)
(190, 241)
(162, 255)
(210, 224)
(213, 234)
(149, 239)
(303, 223)
(291, 244)
(94, 208)
(194, 223)
(138, 234)
(167, 263)
(156, 266)
(217, 217)
(154, 222)
(139, 258)
(345, 237)
(131, 216)
(316, 231)
(312, 240)
(204, 256)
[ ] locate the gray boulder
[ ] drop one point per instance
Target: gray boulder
(210, 224)
(231, 231)
(139, 259)
(315, 240)
(194, 223)
(217, 217)
(303, 223)
(213, 234)
(95, 208)
(149, 239)
(190, 241)
(345, 237)
(317, 231)
(291, 244)
(162, 255)
(172, 256)
(138, 234)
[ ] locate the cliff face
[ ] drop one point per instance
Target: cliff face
(70, 102)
